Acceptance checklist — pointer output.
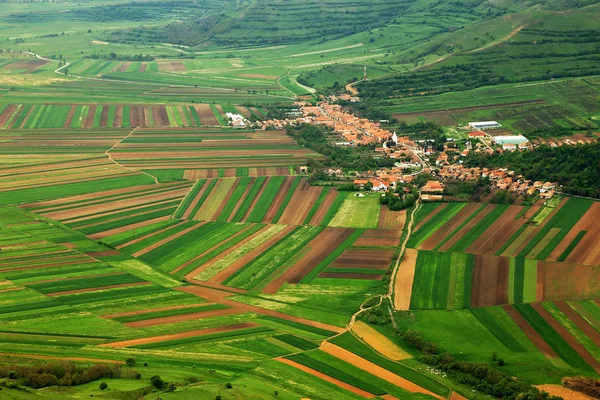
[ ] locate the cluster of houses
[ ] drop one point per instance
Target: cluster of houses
(237, 120)
(502, 178)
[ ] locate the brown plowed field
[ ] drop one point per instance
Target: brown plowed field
(123, 67)
(467, 228)
(490, 281)
(456, 396)
(379, 238)
(220, 296)
(317, 219)
(88, 121)
(67, 123)
(103, 116)
(327, 378)
(29, 65)
(227, 272)
(585, 313)
(62, 358)
(567, 336)
(98, 288)
(177, 66)
(376, 259)
(278, 201)
(137, 117)
(541, 281)
(501, 230)
(374, 369)
(318, 249)
(118, 117)
(429, 216)
(126, 228)
(161, 118)
(300, 204)
(181, 335)
(449, 227)
(531, 333)
(580, 322)
(391, 219)
(349, 275)
(566, 281)
(143, 67)
(588, 250)
(244, 111)
(184, 317)
(404, 279)
(206, 115)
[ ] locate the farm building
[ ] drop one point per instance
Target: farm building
(477, 135)
(512, 142)
(433, 187)
(483, 125)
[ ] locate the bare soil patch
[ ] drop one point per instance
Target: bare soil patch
(97, 288)
(490, 281)
(404, 279)
(350, 275)
(320, 247)
(278, 201)
(379, 238)
(300, 204)
(206, 115)
(375, 259)
(391, 219)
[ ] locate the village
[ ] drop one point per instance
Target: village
(415, 157)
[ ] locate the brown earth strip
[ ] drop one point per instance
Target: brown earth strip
(206, 115)
(391, 219)
(67, 123)
(248, 257)
(375, 369)
(300, 204)
(328, 201)
(319, 248)
(379, 238)
(531, 333)
(349, 275)
(104, 116)
(500, 231)
(541, 280)
(456, 396)
(220, 296)
(468, 227)
(97, 288)
(124, 66)
(181, 335)
(585, 313)
(126, 228)
(429, 216)
(327, 378)
(587, 250)
(185, 317)
(490, 275)
(278, 201)
(118, 117)
(359, 258)
(449, 227)
(567, 336)
(167, 240)
(143, 67)
(88, 121)
(7, 113)
(196, 271)
(143, 212)
(580, 322)
(404, 279)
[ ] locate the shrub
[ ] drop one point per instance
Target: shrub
(130, 362)
(103, 386)
(157, 382)
(13, 375)
(228, 385)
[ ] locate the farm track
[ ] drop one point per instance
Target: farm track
(107, 152)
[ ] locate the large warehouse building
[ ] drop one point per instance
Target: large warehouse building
(483, 125)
